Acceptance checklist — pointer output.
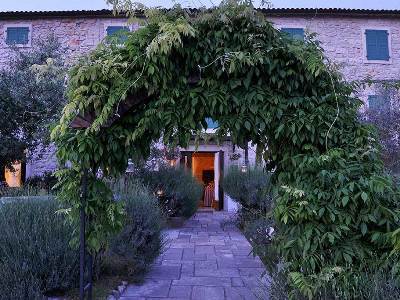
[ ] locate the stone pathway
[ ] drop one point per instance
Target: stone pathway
(202, 261)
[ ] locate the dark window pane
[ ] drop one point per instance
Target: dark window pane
(378, 102)
(377, 44)
(17, 35)
(118, 32)
(295, 33)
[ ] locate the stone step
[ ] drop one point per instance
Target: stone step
(205, 210)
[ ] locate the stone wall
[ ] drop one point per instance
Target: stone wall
(343, 41)
(77, 35)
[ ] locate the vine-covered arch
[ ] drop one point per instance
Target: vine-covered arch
(334, 207)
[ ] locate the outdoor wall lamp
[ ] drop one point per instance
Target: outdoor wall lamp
(160, 192)
(131, 167)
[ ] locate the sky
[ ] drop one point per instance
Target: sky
(18, 5)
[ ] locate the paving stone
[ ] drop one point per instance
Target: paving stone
(227, 272)
(152, 288)
(251, 272)
(180, 292)
(206, 264)
(209, 293)
(164, 272)
(248, 263)
(204, 250)
(187, 270)
(237, 282)
(203, 281)
(226, 262)
(241, 252)
(240, 293)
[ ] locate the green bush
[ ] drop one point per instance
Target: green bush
(35, 256)
(181, 191)
(43, 182)
(141, 240)
(249, 189)
(26, 190)
(370, 283)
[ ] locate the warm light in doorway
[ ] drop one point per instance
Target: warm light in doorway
(14, 179)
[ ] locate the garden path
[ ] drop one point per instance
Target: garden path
(203, 261)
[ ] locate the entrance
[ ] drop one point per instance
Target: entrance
(203, 170)
(207, 168)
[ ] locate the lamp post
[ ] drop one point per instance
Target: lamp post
(82, 245)
(245, 166)
(130, 168)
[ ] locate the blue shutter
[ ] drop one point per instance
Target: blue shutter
(295, 33)
(378, 102)
(118, 31)
(211, 124)
(377, 43)
(17, 35)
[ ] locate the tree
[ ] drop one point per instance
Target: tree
(386, 119)
(335, 208)
(31, 98)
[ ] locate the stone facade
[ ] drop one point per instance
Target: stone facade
(341, 36)
(78, 35)
(343, 40)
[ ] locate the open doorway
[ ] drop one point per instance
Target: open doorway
(208, 168)
(203, 170)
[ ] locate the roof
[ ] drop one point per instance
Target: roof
(106, 13)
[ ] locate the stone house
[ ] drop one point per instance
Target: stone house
(365, 44)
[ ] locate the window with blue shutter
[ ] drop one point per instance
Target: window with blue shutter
(118, 31)
(295, 33)
(378, 102)
(377, 44)
(211, 124)
(17, 35)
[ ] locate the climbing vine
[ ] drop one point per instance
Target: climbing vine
(335, 209)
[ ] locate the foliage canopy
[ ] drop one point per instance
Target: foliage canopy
(31, 96)
(334, 210)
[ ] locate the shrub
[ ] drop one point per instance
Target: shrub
(141, 241)
(44, 182)
(35, 256)
(26, 190)
(181, 191)
(250, 189)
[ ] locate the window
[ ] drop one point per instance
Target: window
(377, 44)
(18, 35)
(118, 32)
(378, 102)
(211, 124)
(295, 33)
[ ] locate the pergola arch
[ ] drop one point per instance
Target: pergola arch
(230, 64)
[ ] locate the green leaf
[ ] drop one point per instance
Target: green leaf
(364, 196)
(364, 228)
(345, 200)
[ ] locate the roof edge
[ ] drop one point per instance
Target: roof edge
(107, 13)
